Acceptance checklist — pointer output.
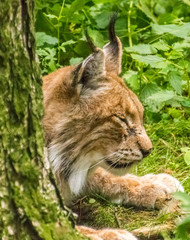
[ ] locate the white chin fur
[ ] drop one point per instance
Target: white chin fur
(78, 176)
(81, 169)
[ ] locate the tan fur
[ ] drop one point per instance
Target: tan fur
(94, 131)
(106, 234)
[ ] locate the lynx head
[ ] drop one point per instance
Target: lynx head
(91, 118)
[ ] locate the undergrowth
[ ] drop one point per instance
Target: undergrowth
(169, 138)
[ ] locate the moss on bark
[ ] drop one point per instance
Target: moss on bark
(30, 208)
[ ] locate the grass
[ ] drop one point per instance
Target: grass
(102, 213)
(168, 138)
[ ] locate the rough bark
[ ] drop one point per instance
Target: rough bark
(30, 206)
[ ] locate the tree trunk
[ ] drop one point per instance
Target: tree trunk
(31, 207)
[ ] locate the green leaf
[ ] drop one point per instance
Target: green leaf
(104, 1)
(50, 16)
(185, 64)
(175, 81)
(97, 37)
(153, 60)
(92, 200)
(179, 46)
(184, 198)
(74, 7)
(74, 61)
(175, 113)
(62, 47)
(187, 157)
(148, 90)
(52, 65)
(142, 49)
(161, 45)
(41, 52)
(131, 78)
(185, 149)
(187, 2)
(175, 55)
(144, 8)
(42, 38)
(51, 51)
(185, 221)
(82, 48)
(162, 96)
(185, 102)
(102, 19)
(158, 100)
(68, 43)
(181, 31)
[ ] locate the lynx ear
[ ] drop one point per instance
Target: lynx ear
(113, 50)
(91, 69)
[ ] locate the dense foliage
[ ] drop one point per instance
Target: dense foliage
(156, 40)
(155, 37)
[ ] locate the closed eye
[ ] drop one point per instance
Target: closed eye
(123, 119)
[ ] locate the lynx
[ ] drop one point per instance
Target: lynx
(94, 133)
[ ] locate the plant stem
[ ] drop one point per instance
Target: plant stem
(142, 29)
(129, 23)
(58, 30)
(188, 83)
(85, 14)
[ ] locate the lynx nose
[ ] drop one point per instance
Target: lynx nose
(145, 153)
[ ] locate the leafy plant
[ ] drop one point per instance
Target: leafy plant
(186, 152)
(156, 39)
(183, 229)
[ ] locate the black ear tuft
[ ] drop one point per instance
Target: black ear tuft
(113, 50)
(112, 35)
(89, 40)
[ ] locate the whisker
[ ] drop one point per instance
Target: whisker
(115, 162)
(99, 161)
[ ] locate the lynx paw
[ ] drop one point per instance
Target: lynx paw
(106, 234)
(150, 191)
(156, 191)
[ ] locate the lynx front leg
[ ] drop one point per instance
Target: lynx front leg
(106, 234)
(150, 191)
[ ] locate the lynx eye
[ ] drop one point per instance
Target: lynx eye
(123, 119)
